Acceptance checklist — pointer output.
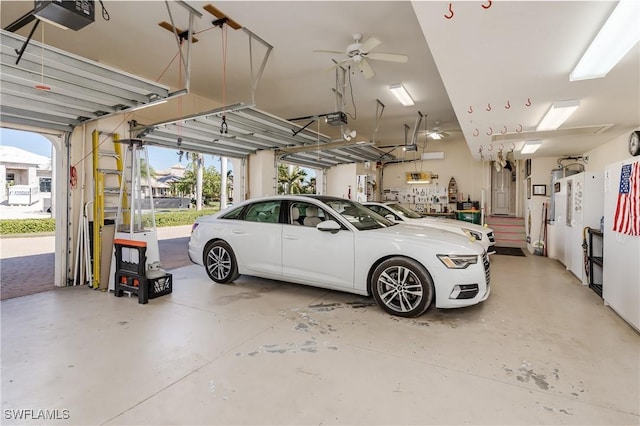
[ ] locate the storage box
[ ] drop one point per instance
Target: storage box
(468, 205)
(160, 286)
(470, 216)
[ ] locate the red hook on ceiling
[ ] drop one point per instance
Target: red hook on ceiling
(504, 130)
(470, 110)
(488, 108)
(528, 102)
(519, 129)
(487, 6)
(476, 132)
(450, 11)
(508, 105)
(490, 132)
(490, 148)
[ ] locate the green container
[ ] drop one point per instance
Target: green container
(471, 216)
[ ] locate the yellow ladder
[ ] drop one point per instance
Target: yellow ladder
(107, 170)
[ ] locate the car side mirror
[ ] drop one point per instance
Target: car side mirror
(328, 226)
(390, 217)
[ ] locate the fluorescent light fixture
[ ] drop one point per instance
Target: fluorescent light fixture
(402, 94)
(558, 114)
(531, 146)
(616, 37)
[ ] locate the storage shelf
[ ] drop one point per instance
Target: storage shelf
(594, 260)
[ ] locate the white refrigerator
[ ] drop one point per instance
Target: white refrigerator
(584, 208)
(621, 254)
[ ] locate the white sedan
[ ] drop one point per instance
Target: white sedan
(337, 244)
(398, 213)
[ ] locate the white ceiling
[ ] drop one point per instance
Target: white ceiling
(512, 52)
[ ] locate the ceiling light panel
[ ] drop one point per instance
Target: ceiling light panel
(401, 94)
(558, 114)
(616, 38)
(530, 147)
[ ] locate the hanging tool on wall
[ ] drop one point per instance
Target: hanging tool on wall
(585, 251)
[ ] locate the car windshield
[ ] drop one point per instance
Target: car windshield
(358, 215)
(403, 211)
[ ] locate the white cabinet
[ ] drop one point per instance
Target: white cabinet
(621, 256)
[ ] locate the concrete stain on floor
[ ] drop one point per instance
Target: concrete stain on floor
(308, 346)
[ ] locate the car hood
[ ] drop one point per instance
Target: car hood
(439, 237)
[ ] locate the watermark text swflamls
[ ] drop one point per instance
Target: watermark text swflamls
(31, 414)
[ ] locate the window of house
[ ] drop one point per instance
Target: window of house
(45, 184)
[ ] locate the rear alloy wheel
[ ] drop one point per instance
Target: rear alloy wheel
(220, 262)
(402, 287)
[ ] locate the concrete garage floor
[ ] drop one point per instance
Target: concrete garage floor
(542, 350)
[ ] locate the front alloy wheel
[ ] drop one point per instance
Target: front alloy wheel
(220, 262)
(402, 287)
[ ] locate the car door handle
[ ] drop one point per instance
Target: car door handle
(291, 237)
(237, 231)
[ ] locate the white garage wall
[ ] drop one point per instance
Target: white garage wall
(457, 163)
(612, 152)
(262, 174)
(340, 178)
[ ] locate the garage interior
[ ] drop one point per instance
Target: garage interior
(245, 80)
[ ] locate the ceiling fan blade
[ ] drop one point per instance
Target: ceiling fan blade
(392, 57)
(341, 52)
(366, 69)
(371, 43)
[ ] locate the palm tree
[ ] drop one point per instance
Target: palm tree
(290, 179)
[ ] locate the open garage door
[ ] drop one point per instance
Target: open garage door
(241, 130)
(49, 91)
(53, 89)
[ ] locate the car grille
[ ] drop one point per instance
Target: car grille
(491, 237)
(487, 267)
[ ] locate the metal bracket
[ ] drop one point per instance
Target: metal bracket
(255, 78)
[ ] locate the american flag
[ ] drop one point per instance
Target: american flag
(627, 218)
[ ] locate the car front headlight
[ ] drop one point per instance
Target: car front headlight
(474, 234)
(457, 261)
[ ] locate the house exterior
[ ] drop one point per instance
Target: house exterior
(161, 182)
(25, 177)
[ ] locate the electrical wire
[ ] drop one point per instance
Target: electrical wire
(126, 117)
(105, 14)
(353, 102)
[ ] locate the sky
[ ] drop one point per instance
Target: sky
(159, 158)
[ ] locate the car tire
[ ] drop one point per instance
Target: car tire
(220, 262)
(402, 287)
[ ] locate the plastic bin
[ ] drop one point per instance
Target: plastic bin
(160, 286)
(471, 216)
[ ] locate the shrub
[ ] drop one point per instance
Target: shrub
(26, 226)
(171, 218)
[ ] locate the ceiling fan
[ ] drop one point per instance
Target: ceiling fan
(358, 52)
(436, 133)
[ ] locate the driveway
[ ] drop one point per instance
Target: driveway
(26, 262)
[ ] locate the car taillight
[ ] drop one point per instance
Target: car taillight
(194, 226)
